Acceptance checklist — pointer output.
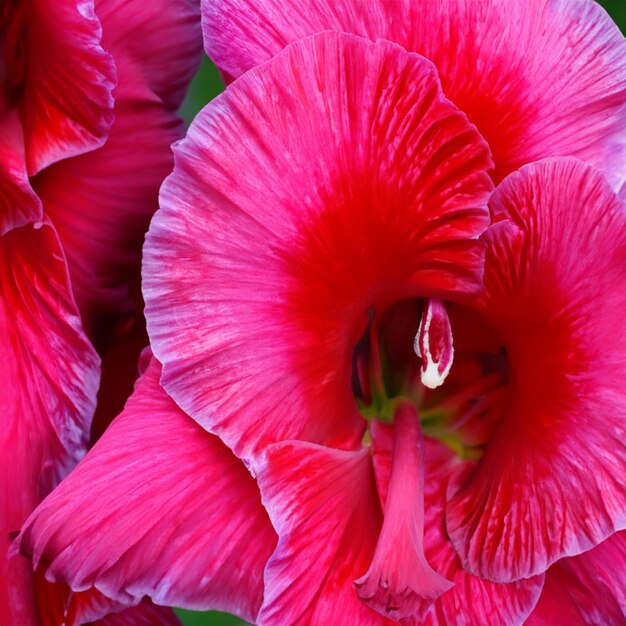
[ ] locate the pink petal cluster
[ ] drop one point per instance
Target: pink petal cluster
(385, 294)
(88, 99)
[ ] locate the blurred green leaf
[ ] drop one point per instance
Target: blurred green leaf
(205, 85)
(212, 618)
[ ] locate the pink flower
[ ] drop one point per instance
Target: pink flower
(75, 186)
(327, 215)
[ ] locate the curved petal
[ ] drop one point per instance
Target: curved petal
(59, 606)
(362, 185)
(552, 481)
(555, 607)
(586, 589)
(539, 78)
(158, 507)
(66, 104)
(144, 614)
(19, 205)
(50, 378)
(101, 203)
(324, 506)
(479, 601)
(157, 43)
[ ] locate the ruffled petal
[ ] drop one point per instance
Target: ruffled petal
(332, 181)
(144, 614)
(50, 379)
(587, 589)
(66, 104)
(160, 508)
(552, 481)
(58, 605)
(19, 205)
(477, 600)
(157, 43)
(539, 78)
(324, 506)
(102, 202)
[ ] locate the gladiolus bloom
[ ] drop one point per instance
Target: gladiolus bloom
(421, 373)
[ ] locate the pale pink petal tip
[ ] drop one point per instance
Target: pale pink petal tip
(433, 343)
(400, 583)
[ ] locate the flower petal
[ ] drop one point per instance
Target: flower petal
(324, 506)
(157, 43)
(362, 185)
(586, 589)
(539, 78)
(477, 600)
(66, 106)
(552, 481)
(555, 607)
(144, 614)
(102, 202)
(50, 374)
(19, 205)
(160, 508)
(59, 606)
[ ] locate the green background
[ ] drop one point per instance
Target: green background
(205, 86)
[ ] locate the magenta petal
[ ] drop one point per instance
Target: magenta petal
(101, 203)
(19, 205)
(158, 507)
(400, 583)
(552, 481)
(324, 506)
(586, 589)
(57, 605)
(66, 106)
(50, 379)
(157, 43)
(539, 78)
(144, 614)
(362, 186)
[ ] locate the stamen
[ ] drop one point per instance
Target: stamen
(400, 583)
(433, 343)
